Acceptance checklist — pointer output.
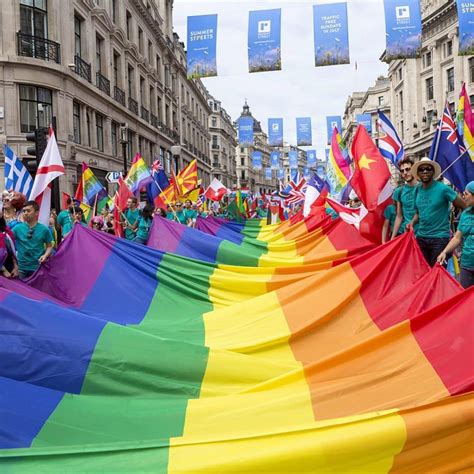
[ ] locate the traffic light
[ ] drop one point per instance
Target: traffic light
(40, 139)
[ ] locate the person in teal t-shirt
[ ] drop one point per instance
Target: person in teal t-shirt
(404, 198)
(143, 224)
(33, 240)
(131, 216)
(465, 234)
(65, 219)
(190, 213)
(179, 214)
(389, 214)
(433, 207)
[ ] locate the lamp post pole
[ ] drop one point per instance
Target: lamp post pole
(124, 141)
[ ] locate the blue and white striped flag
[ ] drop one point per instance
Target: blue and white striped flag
(17, 176)
(390, 144)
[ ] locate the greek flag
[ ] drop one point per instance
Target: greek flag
(16, 174)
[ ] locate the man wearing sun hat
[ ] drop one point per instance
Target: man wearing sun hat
(433, 205)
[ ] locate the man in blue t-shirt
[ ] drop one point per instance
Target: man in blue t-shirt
(432, 209)
(404, 198)
(33, 240)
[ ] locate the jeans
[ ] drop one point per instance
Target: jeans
(467, 277)
(432, 247)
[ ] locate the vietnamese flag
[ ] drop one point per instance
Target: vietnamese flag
(371, 173)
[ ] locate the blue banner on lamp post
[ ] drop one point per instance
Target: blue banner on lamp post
(281, 173)
(303, 131)
(268, 174)
(275, 132)
(403, 29)
(466, 27)
(257, 160)
(275, 159)
(293, 159)
(331, 37)
(311, 158)
(201, 47)
(264, 40)
(245, 131)
(366, 121)
(331, 122)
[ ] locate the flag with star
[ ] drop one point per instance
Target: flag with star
(371, 173)
(187, 179)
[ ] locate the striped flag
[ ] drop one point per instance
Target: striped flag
(17, 176)
(390, 144)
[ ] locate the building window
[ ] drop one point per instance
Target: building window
(401, 100)
(77, 36)
(448, 48)
(142, 92)
(76, 121)
(214, 121)
(427, 59)
(400, 74)
(150, 52)
(129, 25)
(114, 133)
(402, 129)
(130, 78)
(130, 140)
(429, 88)
(114, 11)
(242, 161)
(158, 67)
(99, 127)
(34, 18)
(116, 69)
(450, 77)
(381, 100)
(429, 116)
(88, 126)
(98, 54)
(242, 150)
(471, 69)
(36, 108)
(140, 40)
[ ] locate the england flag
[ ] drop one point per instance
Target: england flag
(390, 145)
(17, 176)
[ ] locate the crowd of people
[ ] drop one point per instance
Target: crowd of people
(421, 203)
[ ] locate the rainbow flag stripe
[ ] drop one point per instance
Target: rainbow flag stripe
(91, 187)
(156, 362)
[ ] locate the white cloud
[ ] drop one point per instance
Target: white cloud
(300, 89)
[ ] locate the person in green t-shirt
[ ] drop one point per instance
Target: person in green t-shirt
(190, 213)
(389, 214)
(130, 217)
(465, 234)
(143, 224)
(433, 207)
(33, 240)
(179, 214)
(404, 198)
(65, 219)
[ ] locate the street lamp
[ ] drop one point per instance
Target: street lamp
(176, 152)
(124, 141)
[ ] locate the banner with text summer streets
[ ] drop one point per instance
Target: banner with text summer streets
(257, 160)
(303, 131)
(245, 131)
(466, 26)
(201, 54)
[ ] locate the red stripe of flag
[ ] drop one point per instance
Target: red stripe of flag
(50, 169)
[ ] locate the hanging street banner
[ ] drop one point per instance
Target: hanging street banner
(331, 122)
(268, 173)
(331, 37)
(275, 131)
(311, 158)
(306, 172)
(264, 40)
(293, 159)
(321, 172)
(281, 173)
(327, 153)
(303, 131)
(466, 27)
(403, 29)
(275, 159)
(257, 160)
(245, 131)
(201, 47)
(366, 121)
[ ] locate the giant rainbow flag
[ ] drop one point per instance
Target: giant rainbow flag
(126, 358)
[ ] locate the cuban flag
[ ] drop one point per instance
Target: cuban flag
(449, 151)
(17, 176)
(390, 145)
(159, 183)
(316, 192)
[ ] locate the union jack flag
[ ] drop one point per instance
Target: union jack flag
(448, 125)
(297, 191)
(156, 166)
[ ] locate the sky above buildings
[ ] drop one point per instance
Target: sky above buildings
(300, 89)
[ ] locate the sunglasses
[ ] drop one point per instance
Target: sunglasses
(179, 205)
(29, 235)
(425, 169)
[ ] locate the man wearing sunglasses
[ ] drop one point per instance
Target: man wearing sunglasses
(432, 209)
(34, 242)
(404, 198)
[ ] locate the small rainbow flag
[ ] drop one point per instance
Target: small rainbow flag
(139, 175)
(339, 170)
(465, 121)
(92, 188)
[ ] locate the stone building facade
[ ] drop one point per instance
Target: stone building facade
(247, 176)
(223, 144)
(112, 73)
(420, 87)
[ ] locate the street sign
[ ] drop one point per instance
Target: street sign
(113, 176)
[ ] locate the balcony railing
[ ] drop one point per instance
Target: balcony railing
(145, 114)
(119, 95)
(41, 48)
(154, 120)
(102, 83)
(82, 68)
(133, 105)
